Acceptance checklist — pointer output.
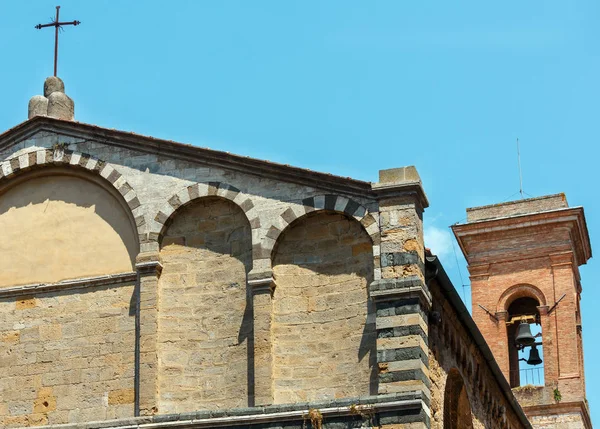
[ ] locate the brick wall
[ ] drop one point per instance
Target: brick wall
(323, 322)
(512, 208)
(204, 316)
(67, 356)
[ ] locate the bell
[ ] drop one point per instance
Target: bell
(534, 356)
(524, 337)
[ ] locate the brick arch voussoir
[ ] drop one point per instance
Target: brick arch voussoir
(520, 291)
(193, 192)
(58, 157)
(328, 202)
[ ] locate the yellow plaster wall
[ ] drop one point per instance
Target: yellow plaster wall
(60, 227)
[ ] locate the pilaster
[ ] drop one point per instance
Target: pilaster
(148, 268)
(401, 296)
(261, 285)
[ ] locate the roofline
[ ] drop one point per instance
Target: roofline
(188, 152)
(463, 315)
(476, 227)
(515, 202)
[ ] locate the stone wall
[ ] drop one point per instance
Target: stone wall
(204, 317)
(324, 342)
(67, 356)
(453, 351)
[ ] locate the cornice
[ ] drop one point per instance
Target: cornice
(571, 217)
(78, 283)
(187, 152)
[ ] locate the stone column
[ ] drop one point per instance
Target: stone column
(261, 286)
(148, 268)
(400, 294)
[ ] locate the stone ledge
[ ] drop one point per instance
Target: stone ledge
(406, 401)
(79, 283)
(400, 288)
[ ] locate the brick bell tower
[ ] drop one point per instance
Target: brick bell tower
(524, 259)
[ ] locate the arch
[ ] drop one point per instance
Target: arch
(457, 408)
(520, 291)
(61, 224)
(193, 192)
(324, 337)
(206, 308)
(58, 157)
(332, 203)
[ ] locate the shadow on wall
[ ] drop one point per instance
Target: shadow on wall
(324, 334)
(58, 227)
(205, 308)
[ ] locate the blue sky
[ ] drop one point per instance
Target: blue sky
(347, 87)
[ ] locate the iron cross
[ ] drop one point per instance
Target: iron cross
(56, 24)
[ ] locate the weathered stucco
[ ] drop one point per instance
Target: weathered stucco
(62, 227)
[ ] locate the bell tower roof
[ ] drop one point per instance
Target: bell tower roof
(491, 232)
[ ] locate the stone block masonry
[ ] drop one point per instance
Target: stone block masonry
(67, 356)
(323, 330)
(260, 294)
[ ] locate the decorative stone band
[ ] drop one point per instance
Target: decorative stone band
(402, 334)
(408, 408)
(149, 268)
(58, 156)
(400, 288)
(201, 190)
(263, 251)
(79, 283)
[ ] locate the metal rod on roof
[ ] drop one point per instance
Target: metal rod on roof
(520, 174)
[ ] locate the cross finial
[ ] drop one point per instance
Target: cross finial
(56, 24)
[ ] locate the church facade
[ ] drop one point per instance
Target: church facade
(148, 283)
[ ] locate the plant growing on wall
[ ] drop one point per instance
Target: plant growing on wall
(557, 395)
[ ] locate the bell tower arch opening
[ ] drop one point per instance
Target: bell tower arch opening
(524, 339)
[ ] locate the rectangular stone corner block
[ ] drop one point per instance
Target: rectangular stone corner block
(91, 164)
(351, 208)
(273, 233)
(319, 202)
(291, 215)
(330, 201)
(24, 161)
(175, 202)
(182, 197)
(212, 188)
(14, 164)
(340, 204)
(75, 158)
(398, 175)
(113, 176)
(40, 157)
(247, 205)
(134, 203)
(32, 157)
